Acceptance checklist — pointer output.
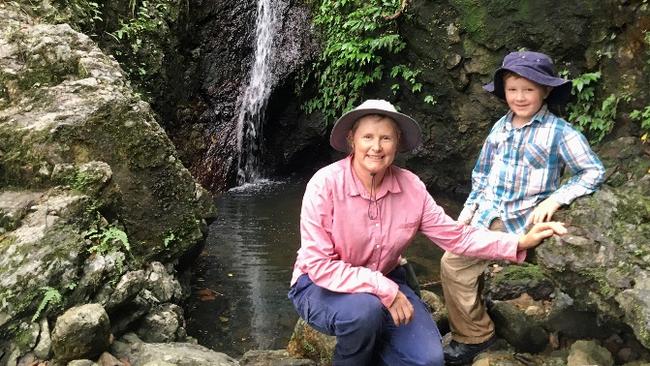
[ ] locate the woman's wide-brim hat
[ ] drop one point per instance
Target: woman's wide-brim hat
(534, 66)
(411, 135)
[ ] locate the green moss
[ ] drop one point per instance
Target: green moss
(473, 15)
(520, 273)
(6, 241)
(21, 161)
(599, 275)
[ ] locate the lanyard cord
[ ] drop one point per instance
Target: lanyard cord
(373, 207)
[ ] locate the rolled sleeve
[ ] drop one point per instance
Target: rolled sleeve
(588, 171)
(467, 240)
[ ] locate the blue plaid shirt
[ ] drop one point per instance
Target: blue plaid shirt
(520, 167)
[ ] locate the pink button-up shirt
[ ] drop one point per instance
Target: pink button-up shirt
(343, 250)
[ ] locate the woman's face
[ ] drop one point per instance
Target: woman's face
(374, 144)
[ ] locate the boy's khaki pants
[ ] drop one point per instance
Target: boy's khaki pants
(462, 285)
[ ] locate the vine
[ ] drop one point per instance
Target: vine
(593, 118)
(357, 35)
(138, 39)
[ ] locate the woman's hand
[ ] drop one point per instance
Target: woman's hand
(466, 215)
(401, 309)
(544, 211)
(540, 232)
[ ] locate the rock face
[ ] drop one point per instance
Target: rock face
(90, 185)
(221, 40)
(602, 264)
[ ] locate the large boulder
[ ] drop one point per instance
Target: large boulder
(91, 186)
(81, 332)
(603, 263)
(131, 349)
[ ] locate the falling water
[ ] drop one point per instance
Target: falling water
(251, 113)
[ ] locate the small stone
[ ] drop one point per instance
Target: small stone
(534, 310)
(453, 34)
(453, 60)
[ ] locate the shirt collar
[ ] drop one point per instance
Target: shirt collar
(354, 187)
(539, 117)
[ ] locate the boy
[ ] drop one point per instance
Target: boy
(516, 182)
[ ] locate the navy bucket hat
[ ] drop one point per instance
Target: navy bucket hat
(534, 66)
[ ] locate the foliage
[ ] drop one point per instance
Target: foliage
(643, 116)
(83, 15)
(106, 238)
(169, 238)
(594, 118)
(357, 35)
(140, 37)
(51, 296)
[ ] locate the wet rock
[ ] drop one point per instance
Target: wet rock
(162, 284)
(164, 323)
(81, 332)
(436, 305)
(520, 330)
(272, 358)
(43, 348)
(130, 348)
(107, 359)
(509, 358)
(635, 303)
(129, 285)
(514, 280)
(14, 206)
(589, 353)
(83, 362)
(28, 359)
(306, 342)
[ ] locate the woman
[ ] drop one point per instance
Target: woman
(358, 216)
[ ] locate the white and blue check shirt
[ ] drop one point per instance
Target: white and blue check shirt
(520, 167)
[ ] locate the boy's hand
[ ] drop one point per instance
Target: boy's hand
(544, 211)
(401, 309)
(540, 232)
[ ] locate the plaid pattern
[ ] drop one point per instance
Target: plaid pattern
(520, 167)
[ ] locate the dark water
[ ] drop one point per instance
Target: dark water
(240, 282)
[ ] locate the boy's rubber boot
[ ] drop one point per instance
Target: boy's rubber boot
(457, 353)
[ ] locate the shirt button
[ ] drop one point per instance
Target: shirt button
(377, 225)
(377, 246)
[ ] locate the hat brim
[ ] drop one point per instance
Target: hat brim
(410, 138)
(560, 94)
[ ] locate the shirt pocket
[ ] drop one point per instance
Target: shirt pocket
(536, 155)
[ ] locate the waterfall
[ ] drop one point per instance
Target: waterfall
(251, 112)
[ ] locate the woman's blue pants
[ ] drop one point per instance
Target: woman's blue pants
(365, 331)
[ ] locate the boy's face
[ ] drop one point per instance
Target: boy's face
(524, 97)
